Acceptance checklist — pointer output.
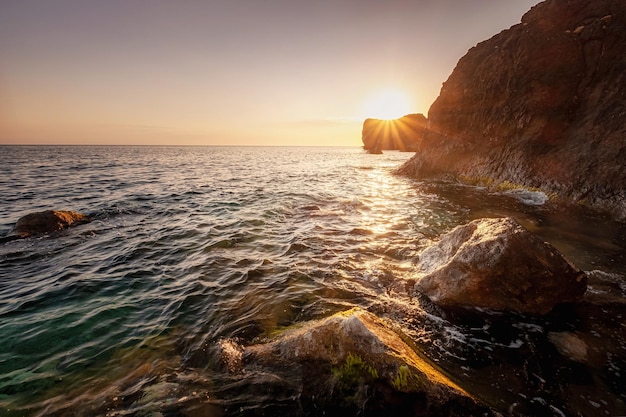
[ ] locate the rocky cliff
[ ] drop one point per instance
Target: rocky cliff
(400, 134)
(542, 105)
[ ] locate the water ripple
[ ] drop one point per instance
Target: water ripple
(191, 246)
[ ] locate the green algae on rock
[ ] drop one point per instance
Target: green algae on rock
(353, 361)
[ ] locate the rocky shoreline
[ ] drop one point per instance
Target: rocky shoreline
(495, 323)
(489, 359)
(541, 105)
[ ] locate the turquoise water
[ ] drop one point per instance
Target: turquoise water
(191, 247)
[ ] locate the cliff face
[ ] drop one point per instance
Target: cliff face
(400, 134)
(542, 104)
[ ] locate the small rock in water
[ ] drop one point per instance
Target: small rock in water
(46, 222)
(569, 345)
(497, 264)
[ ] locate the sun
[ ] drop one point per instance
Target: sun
(388, 104)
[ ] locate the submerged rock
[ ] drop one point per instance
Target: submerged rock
(497, 264)
(541, 105)
(353, 363)
(46, 222)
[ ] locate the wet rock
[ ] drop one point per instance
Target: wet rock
(352, 363)
(541, 105)
(46, 222)
(569, 345)
(497, 264)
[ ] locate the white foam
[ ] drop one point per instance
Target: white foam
(557, 411)
(530, 198)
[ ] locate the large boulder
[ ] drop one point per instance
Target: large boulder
(400, 134)
(541, 104)
(350, 363)
(497, 264)
(46, 222)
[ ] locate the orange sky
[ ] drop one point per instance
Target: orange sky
(238, 72)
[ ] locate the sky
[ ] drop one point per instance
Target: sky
(230, 72)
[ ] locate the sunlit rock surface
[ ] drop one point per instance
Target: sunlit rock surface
(350, 362)
(46, 222)
(400, 134)
(497, 264)
(569, 345)
(542, 104)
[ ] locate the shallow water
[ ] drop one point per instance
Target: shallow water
(193, 248)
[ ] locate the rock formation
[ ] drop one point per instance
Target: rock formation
(497, 264)
(399, 134)
(542, 105)
(46, 222)
(351, 363)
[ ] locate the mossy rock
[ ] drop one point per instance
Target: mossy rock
(353, 363)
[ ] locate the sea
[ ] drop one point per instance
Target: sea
(196, 247)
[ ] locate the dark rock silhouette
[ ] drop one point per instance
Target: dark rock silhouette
(45, 222)
(542, 104)
(497, 264)
(399, 134)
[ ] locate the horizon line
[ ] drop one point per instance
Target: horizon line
(178, 146)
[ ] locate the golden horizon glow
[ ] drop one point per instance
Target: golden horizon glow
(388, 104)
(226, 73)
